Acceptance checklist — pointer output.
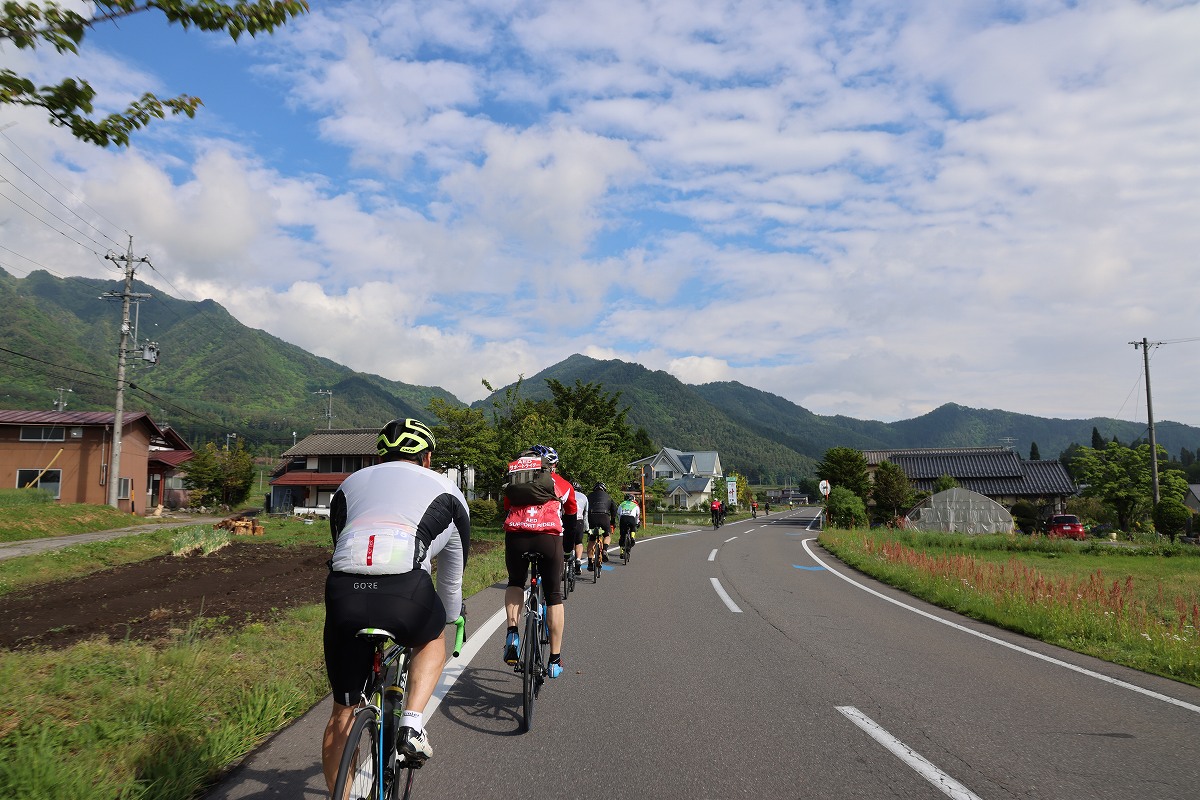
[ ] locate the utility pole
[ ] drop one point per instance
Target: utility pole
(329, 413)
(61, 404)
(114, 470)
(1145, 345)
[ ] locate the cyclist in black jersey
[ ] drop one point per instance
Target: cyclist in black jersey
(388, 521)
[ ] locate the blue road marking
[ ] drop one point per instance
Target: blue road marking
(811, 569)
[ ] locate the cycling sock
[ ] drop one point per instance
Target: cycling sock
(556, 658)
(512, 629)
(413, 719)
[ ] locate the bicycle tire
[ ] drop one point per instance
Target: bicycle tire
(625, 553)
(358, 771)
(597, 560)
(529, 668)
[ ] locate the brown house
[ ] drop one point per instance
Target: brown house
(68, 453)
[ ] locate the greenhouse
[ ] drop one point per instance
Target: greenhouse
(960, 511)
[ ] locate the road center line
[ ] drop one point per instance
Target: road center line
(730, 539)
(921, 765)
(725, 596)
(1049, 659)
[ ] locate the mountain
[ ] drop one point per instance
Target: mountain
(762, 434)
(215, 376)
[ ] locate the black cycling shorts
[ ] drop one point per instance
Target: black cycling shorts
(550, 565)
(406, 605)
(571, 537)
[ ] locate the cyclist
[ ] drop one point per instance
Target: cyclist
(573, 541)
(754, 509)
(717, 515)
(631, 519)
(602, 514)
(388, 521)
(538, 529)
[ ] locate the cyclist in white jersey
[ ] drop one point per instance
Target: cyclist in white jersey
(388, 521)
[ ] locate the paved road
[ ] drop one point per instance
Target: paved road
(746, 662)
(14, 549)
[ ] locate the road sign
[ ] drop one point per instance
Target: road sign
(824, 487)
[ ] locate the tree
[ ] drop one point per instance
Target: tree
(846, 467)
(219, 476)
(1120, 477)
(1034, 454)
(464, 439)
(892, 492)
(1097, 439)
(845, 508)
(1171, 517)
(69, 103)
(943, 483)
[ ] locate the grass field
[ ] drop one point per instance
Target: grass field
(1132, 605)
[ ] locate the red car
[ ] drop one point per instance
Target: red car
(1067, 525)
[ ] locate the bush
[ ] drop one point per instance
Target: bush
(484, 512)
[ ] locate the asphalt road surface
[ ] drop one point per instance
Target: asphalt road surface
(747, 663)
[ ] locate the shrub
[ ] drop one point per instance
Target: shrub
(484, 511)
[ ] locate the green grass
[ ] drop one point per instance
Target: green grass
(23, 521)
(1132, 605)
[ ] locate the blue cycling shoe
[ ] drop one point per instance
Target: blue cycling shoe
(512, 649)
(555, 669)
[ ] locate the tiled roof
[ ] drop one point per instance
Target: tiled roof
(304, 478)
(343, 442)
(171, 458)
(1002, 463)
(876, 457)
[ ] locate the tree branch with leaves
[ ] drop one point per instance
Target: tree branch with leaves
(70, 103)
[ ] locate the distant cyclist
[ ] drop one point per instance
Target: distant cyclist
(630, 517)
(388, 522)
(717, 516)
(537, 528)
(602, 515)
(573, 541)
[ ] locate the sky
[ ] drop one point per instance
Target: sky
(867, 207)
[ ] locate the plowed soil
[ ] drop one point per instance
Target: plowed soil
(159, 598)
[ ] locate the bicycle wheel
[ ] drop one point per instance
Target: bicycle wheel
(625, 550)
(402, 786)
(529, 660)
(358, 775)
(597, 560)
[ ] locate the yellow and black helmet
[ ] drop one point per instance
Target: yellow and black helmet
(405, 437)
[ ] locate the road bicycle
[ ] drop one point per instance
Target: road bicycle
(371, 767)
(535, 634)
(568, 573)
(596, 553)
(626, 549)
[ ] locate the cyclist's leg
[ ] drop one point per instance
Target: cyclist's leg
(516, 544)
(551, 565)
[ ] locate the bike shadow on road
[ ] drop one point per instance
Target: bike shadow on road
(485, 699)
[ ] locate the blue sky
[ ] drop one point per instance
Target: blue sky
(868, 208)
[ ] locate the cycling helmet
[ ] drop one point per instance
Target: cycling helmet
(405, 437)
(548, 454)
(629, 497)
(600, 485)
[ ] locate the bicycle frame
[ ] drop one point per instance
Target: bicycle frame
(535, 630)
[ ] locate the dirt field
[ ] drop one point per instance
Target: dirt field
(151, 600)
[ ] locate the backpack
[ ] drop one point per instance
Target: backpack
(530, 481)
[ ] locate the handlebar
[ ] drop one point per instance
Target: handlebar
(460, 634)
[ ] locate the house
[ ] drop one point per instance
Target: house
(67, 453)
(312, 469)
(692, 477)
(995, 472)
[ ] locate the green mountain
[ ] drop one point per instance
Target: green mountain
(770, 438)
(214, 376)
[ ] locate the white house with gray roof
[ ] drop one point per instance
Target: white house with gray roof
(691, 476)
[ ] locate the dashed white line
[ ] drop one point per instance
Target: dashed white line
(730, 539)
(713, 555)
(725, 596)
(921, 765)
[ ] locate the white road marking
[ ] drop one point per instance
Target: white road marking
(730, 539)
(921, 765)
(713, 555)
(725, 596)
(1049, 659)
(455, 666)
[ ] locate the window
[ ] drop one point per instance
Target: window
(174, 482)
(124, 488)
(34, 433)
(51, 480)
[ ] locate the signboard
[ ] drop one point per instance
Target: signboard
(731, 490)
(825, 487)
